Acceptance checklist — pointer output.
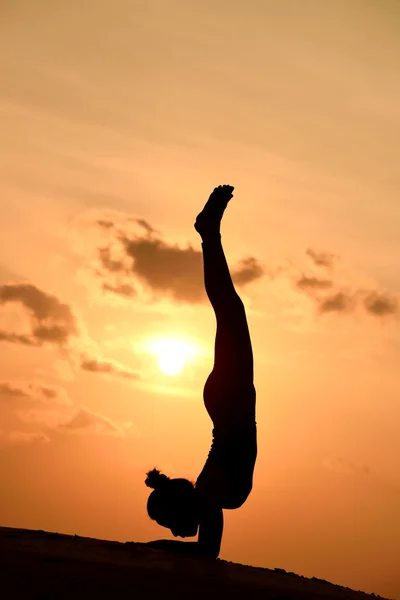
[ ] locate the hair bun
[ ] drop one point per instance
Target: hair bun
(156, 480)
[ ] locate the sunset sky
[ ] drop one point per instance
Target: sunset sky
(117, 119)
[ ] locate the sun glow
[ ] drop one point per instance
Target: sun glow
(172, 354)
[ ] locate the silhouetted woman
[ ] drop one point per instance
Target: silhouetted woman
(230, 399)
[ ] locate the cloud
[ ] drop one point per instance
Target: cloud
(77, 421)
(249, 269)
(9, 389)
(35, 391)
(146, 226)
(332, 297)
(167, 269)
(26, 437)
(42, 306)
(122, 289)
(375, 303)
(339, 302)
(105, 223)
(53, 394)
(17, 338)
(108, 367)
(381, 303)
(84, 420)
(52, 321)
(321, 259)
(49, 418)
(343, 465)
(108, 263)
(131, 261)
(312, 283)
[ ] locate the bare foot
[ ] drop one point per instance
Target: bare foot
(209, 220)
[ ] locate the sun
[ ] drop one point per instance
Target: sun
(172, 354)
(172, 363)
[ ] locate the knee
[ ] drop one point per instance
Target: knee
(229, 309)
(236, 304)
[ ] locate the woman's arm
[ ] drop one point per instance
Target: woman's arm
(209, 540)
(211, 489)
(210, 532)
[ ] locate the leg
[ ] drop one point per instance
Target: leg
(230, 384)
(233, 358)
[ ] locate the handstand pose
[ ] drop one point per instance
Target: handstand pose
(230, 399)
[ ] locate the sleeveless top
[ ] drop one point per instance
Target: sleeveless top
(234, 450)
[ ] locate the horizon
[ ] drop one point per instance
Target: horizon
(117, 122)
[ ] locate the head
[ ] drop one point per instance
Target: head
(172, 503)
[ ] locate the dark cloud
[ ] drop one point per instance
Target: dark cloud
(111, 264)
(146, 226)
(9, 389)
(164, 268)
(53, 334)
(52, 393)
(249, 269)
(381, 304)
(105, 223)
(108, 367)
(330, 297)
(41, 305)
(312, 283)
(17, 338)
(52, 321)
(376, 304)
(321, 259)
(36, 391)
(109, 224)
(167, 269)
(339, 302)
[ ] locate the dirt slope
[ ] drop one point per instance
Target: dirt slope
(37, 565)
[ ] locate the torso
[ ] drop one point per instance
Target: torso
(230, 463)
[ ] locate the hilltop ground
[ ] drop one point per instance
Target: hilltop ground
(37, 565)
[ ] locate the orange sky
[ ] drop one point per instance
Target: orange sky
(117, 120)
